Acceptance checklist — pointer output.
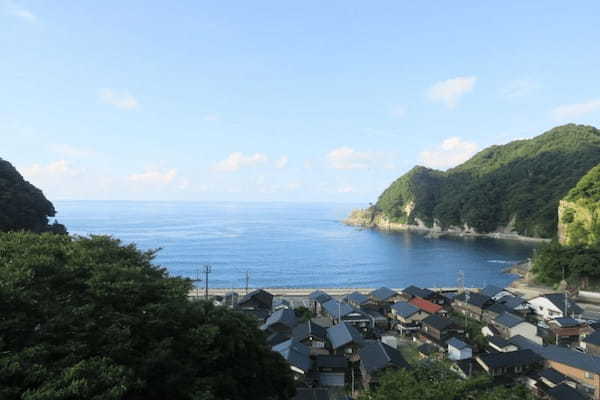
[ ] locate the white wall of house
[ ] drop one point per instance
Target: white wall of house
(527, 330)
(462, 354)
(544, 308)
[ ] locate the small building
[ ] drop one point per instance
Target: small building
(498, 343)
(591, 343)
(567, 328)
(427, 306)
(384, 296)
(345, 340)
(376, 357)
(415, 291)
(316, 299)
(297, 355)
(407, 317)
(510, 363)
(471, 304)
(509, 325)
(551, 306)
(357, 299)
(283, 320)
(310, 334)
(437, 329)
(458, 350)
(331, 370)
(339, 311)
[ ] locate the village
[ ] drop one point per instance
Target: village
(337, 345)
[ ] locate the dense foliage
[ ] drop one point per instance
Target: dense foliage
(580, 264)
(22, 205)
(521, 182)
(435, 381)
(89, 318)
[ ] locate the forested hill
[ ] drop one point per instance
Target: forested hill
(22, 205)
(513, 187)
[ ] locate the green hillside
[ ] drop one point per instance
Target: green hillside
(22, 205)
(520, 183)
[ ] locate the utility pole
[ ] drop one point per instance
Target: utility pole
(196, 281)
(247, 280)
(207, 270)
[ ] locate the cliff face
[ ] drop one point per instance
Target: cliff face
(511, 190)
(579, 212)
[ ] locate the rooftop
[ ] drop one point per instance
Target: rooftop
(383, 293)
(437, 322)
(295, 353)
(357, 298)
(564, 392)
(283, 316)
(509, 359)
(404, 309)
(508, 320)
(308, 329)
(377, 355)
(337, 309)
(415, 291)
(425, 305)
(491, 290)
(457, 343)
(342, 334)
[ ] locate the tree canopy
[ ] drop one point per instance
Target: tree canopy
(520, 182)
(23, 206)
(91, 318)
(433, 380)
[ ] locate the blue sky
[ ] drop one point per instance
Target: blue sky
(277, 100)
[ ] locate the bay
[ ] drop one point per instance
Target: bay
(291, 245)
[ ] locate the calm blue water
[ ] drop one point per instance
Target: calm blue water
(290, 245)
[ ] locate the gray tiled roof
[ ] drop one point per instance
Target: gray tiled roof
(474, 298)
(593, 338)
(404, 309)
(509, 359)
(357, 298)
(342, 334)
(377, 355)
(319, 296)
(307, 329)
(334, 307)
(284, 316)
(552, 375)
(565, 392)
(416, 291)
(566, 322)
(437, 322)
(511, 302)
(383, 293)
(491, 290)
(498, 341)
(295, 353)
(558, 299)
(508, 320)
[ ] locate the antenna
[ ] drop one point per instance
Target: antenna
(207, 270)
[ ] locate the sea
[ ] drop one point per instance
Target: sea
(291, 245)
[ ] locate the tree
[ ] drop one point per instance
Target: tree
(90, 318)
(433, 380)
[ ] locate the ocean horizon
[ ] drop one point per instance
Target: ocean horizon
(290, 245)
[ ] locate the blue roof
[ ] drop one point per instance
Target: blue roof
(334, 307)
(295, 353)
(377, 355)
(357, 297)
(284, 316)
(319, 296)
(383, 293)
(565, 392)
(342, 334)
(508, 320)
(457, 343)
(566, 322)
(593, 338)
(404, 309)
(511, 302)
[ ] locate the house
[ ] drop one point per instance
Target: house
(338, 311)
(498, 343)
(564, 392)
(310, 334)
(550, 306)
(345, 340)
(384, 296)
(492, 311)
(427, 350)
(591, 343)
(407, 316)
(257, 304)
(582, 368)
(515, 304)
(427, 306)
(471, 304)
(283, 320)
(494, 292)
(316, 299)
(437, 329)
(509, 325)
(297, 355)
(414, 291)
(376, 357)
(567, 328)
(377, 319)
(331, 370)
(280, 303)
(230, 299)
(357, 299)
(458, 350)
(510, 363)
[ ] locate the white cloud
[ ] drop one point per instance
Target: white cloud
(398, 111)
(154, 177)
(72, 151)
(449, 153)
(570, 111)
(346, 189)
(450, 91)
(348, 158)
(519, 88)
(236, 161)
(120, 99)
(53, 170)
(16, 10)
(281, 162)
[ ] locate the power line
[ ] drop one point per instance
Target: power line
(196, 281)
(207, 270)
(247, 280)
